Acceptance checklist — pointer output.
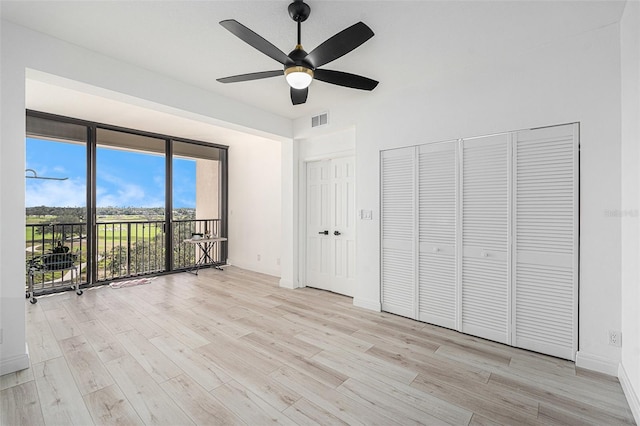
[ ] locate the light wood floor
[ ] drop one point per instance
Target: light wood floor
(232, 347)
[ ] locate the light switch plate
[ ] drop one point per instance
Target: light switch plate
(366, 214)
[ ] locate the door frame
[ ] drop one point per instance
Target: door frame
(302, 207)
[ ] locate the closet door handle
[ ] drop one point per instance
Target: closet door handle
(326, 232)
(336, 232)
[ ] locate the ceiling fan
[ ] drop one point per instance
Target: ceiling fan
(300, 67)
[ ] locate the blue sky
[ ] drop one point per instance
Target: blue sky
(124, 178)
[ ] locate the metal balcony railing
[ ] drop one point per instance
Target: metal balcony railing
(123, 249)
(42, 239)
(185, 255)
(128, 249)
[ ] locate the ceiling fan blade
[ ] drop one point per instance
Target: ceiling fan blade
(340, 44)
(345, 79)
(250, 76)
(299, 96)
(256, 41)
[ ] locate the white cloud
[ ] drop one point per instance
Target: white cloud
(72, 193)
(125, 194)
(56, 193)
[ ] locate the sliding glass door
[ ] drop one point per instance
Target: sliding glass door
(130, 187)
(55, 197)
(125, 199)
(197, 188)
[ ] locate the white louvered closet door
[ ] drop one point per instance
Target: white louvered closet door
(485, 237)
(398, 207)
(546, 240)
(437, 193)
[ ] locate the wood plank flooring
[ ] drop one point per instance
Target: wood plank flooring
(231, 347)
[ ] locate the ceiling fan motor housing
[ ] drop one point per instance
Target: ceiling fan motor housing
(299, 58)
(299, 11)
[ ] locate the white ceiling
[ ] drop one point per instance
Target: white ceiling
(439, 41)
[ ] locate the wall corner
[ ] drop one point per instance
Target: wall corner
(629, 393)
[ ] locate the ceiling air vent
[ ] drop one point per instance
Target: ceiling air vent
(320, 119)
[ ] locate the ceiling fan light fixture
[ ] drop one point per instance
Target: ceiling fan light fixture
(298, 77)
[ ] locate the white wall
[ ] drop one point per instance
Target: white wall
(13, 354)
(630, 46)
(207, 189)
(577, 79)
(23, 49)
(327, 145)
(255, 205)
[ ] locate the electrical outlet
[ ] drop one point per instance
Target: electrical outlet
(258, 258)
(615, 338)
(278, 261)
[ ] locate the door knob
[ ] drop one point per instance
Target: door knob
(336, 232)
(323, 232)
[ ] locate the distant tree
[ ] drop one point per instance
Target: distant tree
(116, 261)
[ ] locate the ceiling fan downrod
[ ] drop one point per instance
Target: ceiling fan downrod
(299, 11)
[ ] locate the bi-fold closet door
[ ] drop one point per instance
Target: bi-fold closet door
(480, 235)
(485, 220)
(398, 231)
(437, 237)
(545, 240)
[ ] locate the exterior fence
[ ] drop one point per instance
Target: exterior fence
(123, 249)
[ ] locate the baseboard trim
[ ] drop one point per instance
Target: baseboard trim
(596, 363)
(14, 363)
(629, 393)
(372, 305)
(287, 284)
(254, 268)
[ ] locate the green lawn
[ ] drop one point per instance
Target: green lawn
(106, 232)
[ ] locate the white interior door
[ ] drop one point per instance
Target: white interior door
(330, 212)
(343, 227)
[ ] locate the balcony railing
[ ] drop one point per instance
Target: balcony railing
(123, 249)
(127, 249)
(185, 255)
(43, 238)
